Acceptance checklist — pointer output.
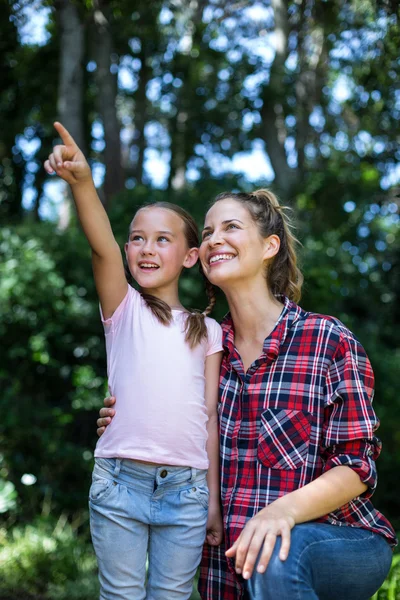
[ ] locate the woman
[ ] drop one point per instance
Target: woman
(297, 427)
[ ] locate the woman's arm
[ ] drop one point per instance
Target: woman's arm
(330, 491)
(214, 521)
(69, 163)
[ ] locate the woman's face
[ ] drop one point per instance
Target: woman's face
(232, 248)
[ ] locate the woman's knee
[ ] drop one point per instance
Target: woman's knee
(320, 554)
(280, 579)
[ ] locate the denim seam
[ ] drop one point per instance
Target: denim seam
(104, 496)
(339, 539)
(200, 499)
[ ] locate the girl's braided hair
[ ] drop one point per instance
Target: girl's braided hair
(195, 325)
(283, 275)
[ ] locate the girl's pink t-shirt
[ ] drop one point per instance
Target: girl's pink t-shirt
(158, 382)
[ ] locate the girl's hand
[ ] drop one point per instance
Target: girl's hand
(67, 160)
(261, 533)
(106, 415)
(215, 528)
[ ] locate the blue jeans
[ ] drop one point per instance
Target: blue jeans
(325, 562)
(140, 511)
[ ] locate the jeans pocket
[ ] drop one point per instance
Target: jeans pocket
(284, 438)
(201, 493)
(100, 489)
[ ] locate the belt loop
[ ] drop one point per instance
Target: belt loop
(193, 475)
(117, 467)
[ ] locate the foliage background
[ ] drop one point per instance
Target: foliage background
(178, 101)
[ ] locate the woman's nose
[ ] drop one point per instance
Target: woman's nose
(215, 239)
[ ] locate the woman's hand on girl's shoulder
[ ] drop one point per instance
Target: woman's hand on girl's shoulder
(258, 539)
(106, 415)
(67, 160)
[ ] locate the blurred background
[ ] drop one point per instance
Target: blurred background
(179, 100)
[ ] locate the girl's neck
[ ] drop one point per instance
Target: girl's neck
(168, 295)
(254, 310)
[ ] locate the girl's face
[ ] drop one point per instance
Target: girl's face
(157, 249)
(232, 248)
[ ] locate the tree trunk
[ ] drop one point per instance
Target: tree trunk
(106, 98)
(12, 165)
(272, 113)
(179, 155)
(180, 134)
(141, 112)
(70, 90)
(312, 57)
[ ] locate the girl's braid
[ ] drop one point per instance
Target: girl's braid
(210, 291)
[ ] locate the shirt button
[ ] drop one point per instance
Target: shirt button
(193, 489)
(163, 474)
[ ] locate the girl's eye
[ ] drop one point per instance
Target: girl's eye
(162, 238)
(136, 238)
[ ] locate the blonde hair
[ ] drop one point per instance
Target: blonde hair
(195, 325)
(283, 275)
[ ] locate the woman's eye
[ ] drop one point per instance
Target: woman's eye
(232, 225)
(206, 234)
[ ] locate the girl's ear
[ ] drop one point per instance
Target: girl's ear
(191, 258)
(272, 245)
(126, 250)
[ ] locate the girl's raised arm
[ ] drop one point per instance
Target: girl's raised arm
(68, 161)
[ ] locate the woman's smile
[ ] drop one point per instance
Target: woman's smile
(216, 258)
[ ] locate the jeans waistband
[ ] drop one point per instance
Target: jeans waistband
(149, 476)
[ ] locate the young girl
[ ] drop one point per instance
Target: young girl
(149, 494)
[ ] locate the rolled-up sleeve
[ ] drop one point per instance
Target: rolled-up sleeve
(349, 420)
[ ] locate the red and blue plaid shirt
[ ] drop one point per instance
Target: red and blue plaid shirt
(302, 408)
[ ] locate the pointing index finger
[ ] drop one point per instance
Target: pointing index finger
(66, 137)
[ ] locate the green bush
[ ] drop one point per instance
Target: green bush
(52, 561)
(47, 561)
(391, 588)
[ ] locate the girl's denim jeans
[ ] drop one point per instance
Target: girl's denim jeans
(140, 511)
(325, 562)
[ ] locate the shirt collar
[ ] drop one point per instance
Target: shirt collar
(291, 312)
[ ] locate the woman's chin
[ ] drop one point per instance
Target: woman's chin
(220, 278)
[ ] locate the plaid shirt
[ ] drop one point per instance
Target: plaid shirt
(302, 408)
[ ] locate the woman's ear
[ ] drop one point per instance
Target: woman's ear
(272, 245)
(191, 258)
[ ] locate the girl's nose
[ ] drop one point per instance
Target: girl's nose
(147, 249)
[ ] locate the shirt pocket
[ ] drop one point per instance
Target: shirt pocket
(283, 438)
